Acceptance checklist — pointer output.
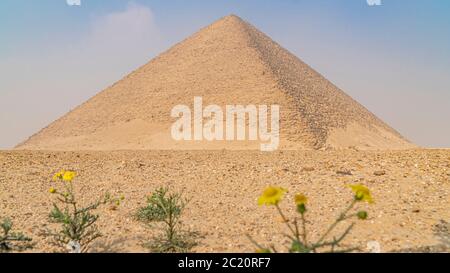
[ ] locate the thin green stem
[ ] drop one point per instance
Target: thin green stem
(305, 239)
(254, 242)
(285, 219)
(336, 242)
(341, 217)
(297, 232)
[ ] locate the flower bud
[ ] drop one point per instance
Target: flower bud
(362, 215)
(301, 208)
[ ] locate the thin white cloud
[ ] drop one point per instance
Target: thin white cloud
(128, 31)
(47, 80)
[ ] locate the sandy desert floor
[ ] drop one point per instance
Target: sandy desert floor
(412, 197)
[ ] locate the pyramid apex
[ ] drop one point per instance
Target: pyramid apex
(234, 16)
(231, 18)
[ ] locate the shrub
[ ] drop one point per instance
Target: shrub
(166, 208)
(78, 224)
(298, 232)
(12, 241)
(158, 206)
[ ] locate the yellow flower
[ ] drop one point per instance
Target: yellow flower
(58, 175)
(361, 193)
(271, 196)
(300, 199)
(52, 190)
(69, 176)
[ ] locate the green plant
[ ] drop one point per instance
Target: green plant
(78, 224)
(12, 241)
(166, 208)
(157, 206)
(298, 233)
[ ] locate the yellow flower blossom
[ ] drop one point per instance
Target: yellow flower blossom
(52, 190)
(300, 199)
(362, 193)
(271, 196)
(58, 175)
(69, 176)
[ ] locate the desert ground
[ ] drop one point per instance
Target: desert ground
(411, 191)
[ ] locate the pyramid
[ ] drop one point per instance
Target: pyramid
(228, 62)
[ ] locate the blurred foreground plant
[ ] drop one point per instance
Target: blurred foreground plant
(166, 208)
(12, 241)
(299, 239)
(78, 224)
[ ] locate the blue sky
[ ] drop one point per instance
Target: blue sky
(393, 58)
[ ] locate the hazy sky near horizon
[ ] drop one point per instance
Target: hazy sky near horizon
(393, 58)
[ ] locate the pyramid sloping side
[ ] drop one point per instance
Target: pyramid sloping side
(324, 109)
(228, 62)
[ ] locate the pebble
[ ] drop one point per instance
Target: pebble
(379, 173)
